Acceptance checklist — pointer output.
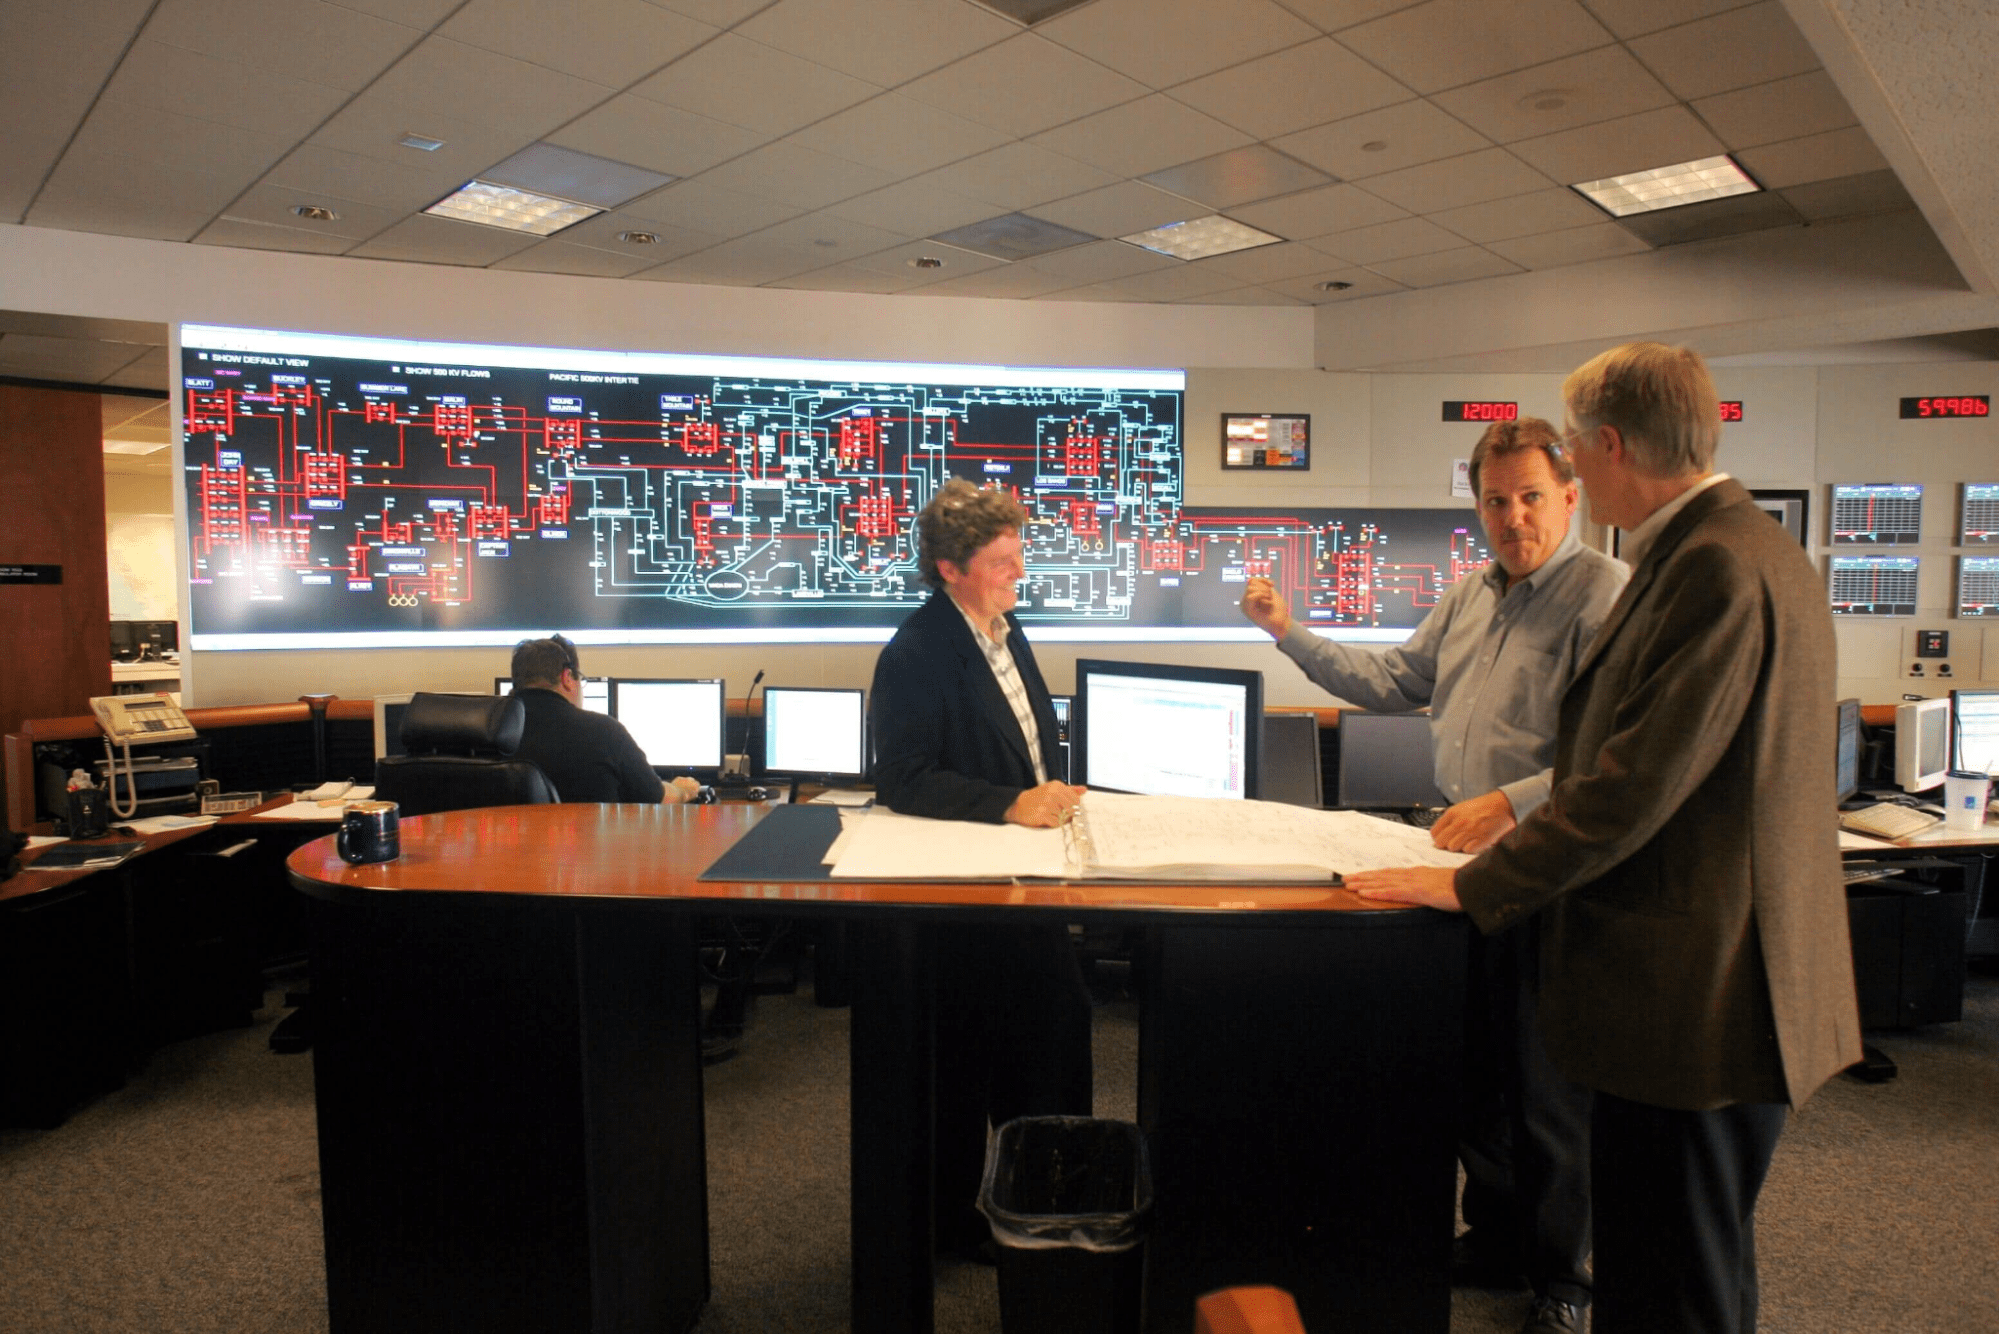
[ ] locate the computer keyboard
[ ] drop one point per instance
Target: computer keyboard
(1887, 820)
(1423, 817)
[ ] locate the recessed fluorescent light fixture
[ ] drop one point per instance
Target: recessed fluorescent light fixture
(1668, 187)
(1201, 238)
(516, 210)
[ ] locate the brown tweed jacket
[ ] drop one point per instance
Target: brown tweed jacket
(1694, 946)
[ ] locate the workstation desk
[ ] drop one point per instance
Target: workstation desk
(509, 1084)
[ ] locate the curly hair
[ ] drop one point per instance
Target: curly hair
(959, 520)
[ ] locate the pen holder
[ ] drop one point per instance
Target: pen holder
(88, 813)
(369, 832)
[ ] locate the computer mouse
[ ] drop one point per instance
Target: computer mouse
(757, 793)
(703, 795)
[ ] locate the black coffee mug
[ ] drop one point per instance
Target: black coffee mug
(369, 833)
(87, 813)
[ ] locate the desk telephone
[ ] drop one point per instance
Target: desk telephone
(126, 719)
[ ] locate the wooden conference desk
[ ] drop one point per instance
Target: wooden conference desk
(509, 1084)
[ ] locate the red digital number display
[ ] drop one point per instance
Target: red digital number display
(1731, 410)
(1960, 405)
(1464, 410)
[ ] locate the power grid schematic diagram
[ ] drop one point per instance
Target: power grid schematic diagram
(375, 490)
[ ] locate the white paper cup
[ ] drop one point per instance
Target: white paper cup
(1964, 796)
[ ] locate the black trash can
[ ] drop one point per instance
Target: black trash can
(1067, 1198)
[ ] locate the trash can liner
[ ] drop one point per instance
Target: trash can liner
(1077, 1182)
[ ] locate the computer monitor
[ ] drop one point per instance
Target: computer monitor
(814, 732)
(1064, 708)
(1163, 729)
(1922, 743)
(125, 646)
(158, 638)
(679, 724)
(1846, 768)
(1975, 719)
(1387, 761)
(596, 692)
(389, 724)
(1291, 760)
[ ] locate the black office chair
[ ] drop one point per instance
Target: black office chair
(459, 749)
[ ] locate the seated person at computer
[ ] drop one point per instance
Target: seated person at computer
(588, 757)
(1491, 660)
(964, 729)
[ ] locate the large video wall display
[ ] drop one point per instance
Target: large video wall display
(353, 492)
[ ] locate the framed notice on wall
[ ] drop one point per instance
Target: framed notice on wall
(1266, 440)
(1787, 507)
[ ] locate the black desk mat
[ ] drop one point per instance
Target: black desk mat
(787, 845)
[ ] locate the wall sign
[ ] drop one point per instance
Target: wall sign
(1477, 410)
(1961, 405)
(1266, 440)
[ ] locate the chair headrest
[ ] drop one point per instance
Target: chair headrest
(463, 725)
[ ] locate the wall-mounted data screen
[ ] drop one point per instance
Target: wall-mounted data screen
(1875, 513)
(1266, 440)
(350, 492)
(1978, 514)
(1874, 586)
(1978, 586)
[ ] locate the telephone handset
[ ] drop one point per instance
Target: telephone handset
(141, 718)
(135, 718)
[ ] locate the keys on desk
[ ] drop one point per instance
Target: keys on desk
(1887, 820)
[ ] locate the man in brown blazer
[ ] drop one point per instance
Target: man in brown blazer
(1695, 969)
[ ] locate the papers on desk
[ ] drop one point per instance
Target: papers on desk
(72, 856)
(1121, 837)
(306, 807)
(44, 840)
(845, 797)
(162, 824)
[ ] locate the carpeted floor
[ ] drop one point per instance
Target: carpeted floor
(189, 1199)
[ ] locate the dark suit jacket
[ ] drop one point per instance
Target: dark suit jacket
(946, 742)
(1694, 945)
(588, 757)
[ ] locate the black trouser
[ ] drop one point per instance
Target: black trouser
(1676, 1213)
(1012, 1040)
(1525, 1136)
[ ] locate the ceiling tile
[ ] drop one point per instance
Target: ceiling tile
(758, 87)
(670, 241)
(883, 41)
(387, 185)
(371, 124)
(161, 205)
(852, 278)
(1182, 280)
(1239, 176)
(913, 208)
(463, 81)
(1102, 292)
(82, 360)
(1614, 148)
(1242, 296)
(1732, 50)
(898, 135)
(147, 372)
(1014, 236)
(54, 57)
(1120, 210)
(1731, 215)
(1164, 42)
(1849, 196)
(137, 171)
(957, 263)
(1449, 42)
(1446, 266)
(1100, 262)
(566, 257)
(296, 39)
(1364, 283)
(1019, 176)
(429, 240)
(1407, 134)
(273, 205)
(700, 207)
(1290, 90)
(1265, 264)
(655, 136)
(1768, 113)
(1142, 136)
(715, 13)
(1631, 18)
(1016, 281)
(1575, 245)
(171, 78)
(605, 41)
(1333, 15)
(418, 13)
(1818, 157)
(1388, 241)
(1022, 85)
(795, 175)
(1336, 208)
(746, 260)
(83, 326)
(253, 234)
(1472, 179)
(831, 239)
(1595, 86)
(1523, 215)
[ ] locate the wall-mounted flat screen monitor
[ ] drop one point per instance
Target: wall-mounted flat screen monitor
(1163, 729)
(814, 732)
(1873, 586)
(1978, 586)
(1387, 762)
(596, 692)
(1978, 514)
(1846, 763)
(1876, 513)
(1922, 743)
(1266, 440)
(1975, 718)
(679, 724)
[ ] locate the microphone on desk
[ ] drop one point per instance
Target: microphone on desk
(742, 775)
